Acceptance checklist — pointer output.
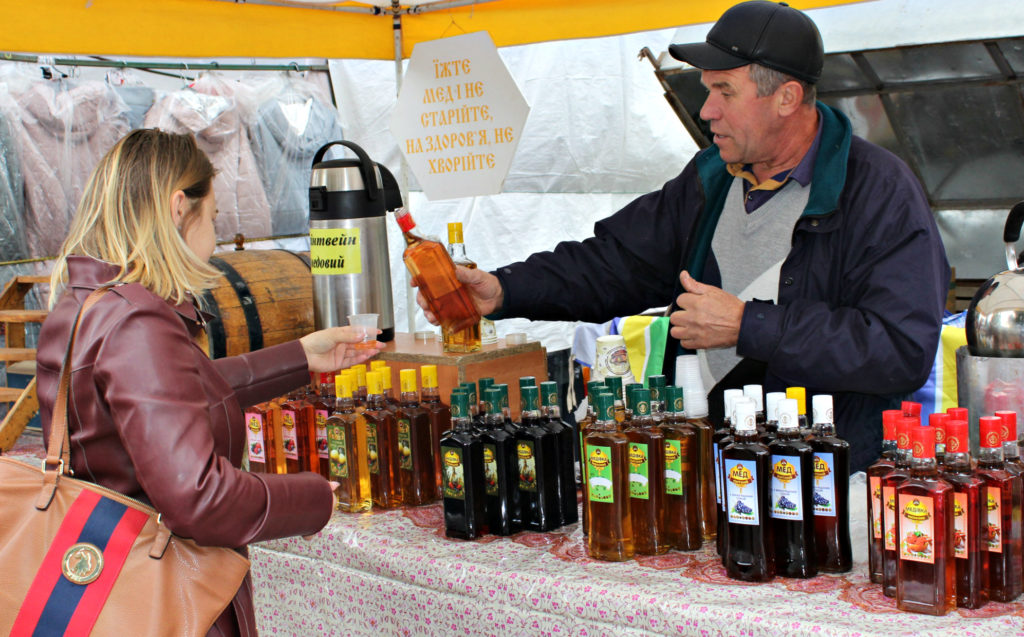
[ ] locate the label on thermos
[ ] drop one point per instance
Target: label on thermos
(335, 251)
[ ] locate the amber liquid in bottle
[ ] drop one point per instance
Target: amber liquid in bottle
(606, 461)
(299, 436)
(792, 502)
(415, 446)
(748, 548)
(683, 529)
(646, 458)
(439, 413)
(705, 471)
(467, 339)
(969, 511)
(266, 453)
(346, 438)
(1002, 534)
(463, 475)
(584, 426)
(382, 447)
(876, 541)
(433, 272)
(831, 500)
(537, 450)
(323, 406)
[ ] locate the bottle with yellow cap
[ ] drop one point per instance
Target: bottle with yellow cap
(351, 374)
(390, 401)
(346, 437)
(799, 394)
(466, 340)
(381, 446)
(359, 390)
(415, 448)
(440, 414)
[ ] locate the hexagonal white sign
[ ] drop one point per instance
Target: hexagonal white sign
(459, 116)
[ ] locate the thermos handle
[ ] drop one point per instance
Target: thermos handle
(365, 164)
(1011, 233)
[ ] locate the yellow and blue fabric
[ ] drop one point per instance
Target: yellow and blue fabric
(939, 392)
(645, 344)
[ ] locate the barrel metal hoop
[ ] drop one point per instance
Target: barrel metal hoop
(218, 337)
(246, 300)
(301, 256)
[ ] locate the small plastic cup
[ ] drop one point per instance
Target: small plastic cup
(367, 323)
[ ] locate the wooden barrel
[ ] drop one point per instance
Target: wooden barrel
(263, 298)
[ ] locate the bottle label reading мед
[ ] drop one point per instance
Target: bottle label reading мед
(404, 445)
(527, 466)
(254, 436)
(741, 491)
(290, 440)
(824, 485)
(917, 526)
(639, 480)
(338, 452)
(673, 468)
(491, 470)
(454, 477)
(600, 477)
(961, 530)
(787, 496)
(321, 433)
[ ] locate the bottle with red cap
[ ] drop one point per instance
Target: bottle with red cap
(1002, 536)
(911, 409)
(1011, 451)
(890, 481)
(937, 421)
(875, 473)
(968, 515)
(926, 569)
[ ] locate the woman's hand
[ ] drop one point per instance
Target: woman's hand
(331, 349)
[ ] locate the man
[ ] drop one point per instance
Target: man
(796, 253)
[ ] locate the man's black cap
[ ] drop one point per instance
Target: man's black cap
(766, 33)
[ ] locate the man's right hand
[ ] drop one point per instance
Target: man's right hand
(484, 289)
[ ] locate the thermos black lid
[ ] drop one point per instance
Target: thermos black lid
(350, 188)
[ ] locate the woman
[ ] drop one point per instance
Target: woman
(151, 415)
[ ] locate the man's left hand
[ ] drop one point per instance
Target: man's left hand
(710, 317)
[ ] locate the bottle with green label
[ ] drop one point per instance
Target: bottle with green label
(462, 474)
(606, 462)
(792, 496)
(381, 446)
(415, 445)
(537, 451)
(747, 472)
(646, 473)
(594, 387)
(831, 490)
(346, 440)
(566, 458)
(501, 470)
(682, 491)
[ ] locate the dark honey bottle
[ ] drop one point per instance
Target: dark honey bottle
(792, 497)
(440, 414)
(926, 570)
(537, 451)
(683, 528)
(264, 446)
(323, 406)
(501, 470)
(1002, 536)
(969, 500)
(875, 473)
(415, 445)
(474, 406)
(483, 385)
(506, 411)
(381, 446)
(646, 466)
(463, 474)
(748, 549)
(606, 461)
(566, 458)
(831, 491)
(890, 481)
(346, 437)
(722, 438)
(298, 429)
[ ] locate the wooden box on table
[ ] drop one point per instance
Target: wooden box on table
(503, 362)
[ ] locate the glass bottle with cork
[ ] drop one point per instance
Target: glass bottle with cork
(831, 490)
(890, 481)
(792, 497)
(748, 549)
(346, 439)
(463, 475)
(682, 523)
(433, 272)
(537, 451)
(264, 446)
(552, 419)
(323, 406)
(969, 512)
(1002, 536)
(876, 504)
(468, 339)
(416, 444)
(501, 471)
(609, 525)
(381, 446)
(646, 462)
(298, 428)
(440, 414)
(926, 569)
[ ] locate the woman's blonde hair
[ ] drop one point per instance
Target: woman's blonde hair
(124, 217)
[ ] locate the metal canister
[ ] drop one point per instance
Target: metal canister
(349, 261)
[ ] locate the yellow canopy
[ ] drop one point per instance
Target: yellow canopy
(219, 28)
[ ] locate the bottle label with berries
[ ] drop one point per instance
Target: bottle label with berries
(254, 436)
(787, 496)
(824, 485)
(741, 491)
(321, 433)
(289, 437)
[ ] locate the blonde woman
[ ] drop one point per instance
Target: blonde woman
(152, 416)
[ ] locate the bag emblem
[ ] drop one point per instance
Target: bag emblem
(82, 563)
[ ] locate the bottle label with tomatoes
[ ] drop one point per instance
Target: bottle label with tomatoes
(491, 477)
(961, 530)
(372, 452)
(824, 485)
(673, 468)
(600, 476)
(289, 437)
(527, 465)
(787, 492)
(917, 528)
(993, 528)
(453, 474)
(889, 517)
(322, 446)
(741, 491)
(338, 451)
(639, 471)
(404, 445)
(254, 436)
(876, 504)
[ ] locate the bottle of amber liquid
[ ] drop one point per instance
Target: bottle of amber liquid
(463, 474)
(416, 445)
(646, 458)
(926, 570)
(683, 528)
(890, 481)
(876, 504)
(537, 451)
(359, 390)
(433, 271)
(264, 445)
(346, 439)
(969, 500)
(792, 497)
(594, 387)
(1002, 536)
(440, 414)
(697, 417)
(552, 417)
(749, 554)
(323, 406)
(381, 446)
(610, 528)
(298, 428)
(799, 394)
(467, 339)
(831, 491)
(391, 401)
(501, 471)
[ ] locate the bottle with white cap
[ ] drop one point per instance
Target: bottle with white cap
(831, 490)
(721, 438)
(695, 400)
(756, 393)
(792, 496)
(771, 417)
(748, 547)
